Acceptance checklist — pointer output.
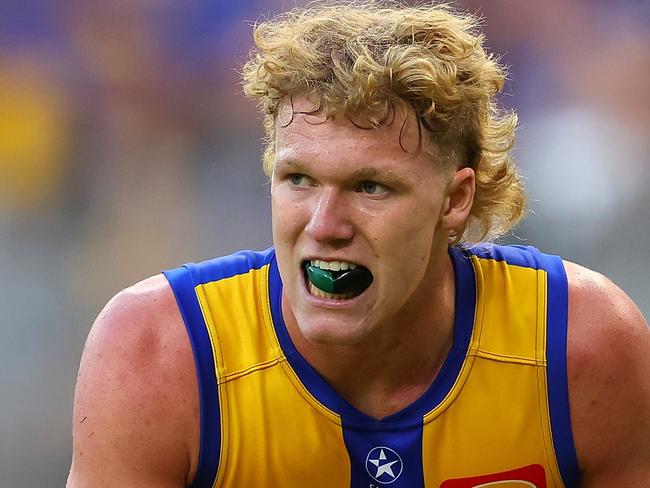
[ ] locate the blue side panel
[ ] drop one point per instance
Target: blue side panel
(182, 284)
(383, 457)
(556, 355)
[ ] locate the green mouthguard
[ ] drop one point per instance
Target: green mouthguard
(352, 281)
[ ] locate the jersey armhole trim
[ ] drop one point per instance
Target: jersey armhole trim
(182, 285)
(558, 388)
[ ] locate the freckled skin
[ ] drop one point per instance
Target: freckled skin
(399, 231)
(395, 235)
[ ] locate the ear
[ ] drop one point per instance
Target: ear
(459, 200)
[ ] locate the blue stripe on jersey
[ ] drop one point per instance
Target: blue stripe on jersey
(524, 256)
(380, 457)
(232, 265)
(557, 379)
(182, 284)
(412, 414)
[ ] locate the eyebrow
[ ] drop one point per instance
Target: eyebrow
(389, 176)
(374, 173)
(291, 163)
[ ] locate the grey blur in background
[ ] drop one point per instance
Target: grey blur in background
(127, 147)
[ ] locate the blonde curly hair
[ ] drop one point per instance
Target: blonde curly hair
(363, 59)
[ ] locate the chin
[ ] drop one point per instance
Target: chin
(332, 332)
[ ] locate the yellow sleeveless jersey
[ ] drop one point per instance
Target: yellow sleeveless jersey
(497, 414)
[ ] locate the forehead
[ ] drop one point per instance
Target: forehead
(303, 136)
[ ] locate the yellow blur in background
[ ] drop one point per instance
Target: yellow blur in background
(34, 131)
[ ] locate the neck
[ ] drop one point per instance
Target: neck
(394, 366)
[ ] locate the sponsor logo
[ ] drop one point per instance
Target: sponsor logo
(384, 465)
(532, 476)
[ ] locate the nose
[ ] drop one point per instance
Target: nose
(329, 220)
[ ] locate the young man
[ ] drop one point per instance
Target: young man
(373, 345)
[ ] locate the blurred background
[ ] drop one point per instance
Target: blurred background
(127, 147)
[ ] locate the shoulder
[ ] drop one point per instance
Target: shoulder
(142, 319)
(140, 327)
(604, 323)
(136, 401)
(609, 380)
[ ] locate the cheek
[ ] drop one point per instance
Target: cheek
(405, 246)
(288, 217)
(406, 231)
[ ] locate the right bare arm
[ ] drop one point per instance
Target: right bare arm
(136, 412)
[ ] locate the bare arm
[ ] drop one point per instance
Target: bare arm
(136, 402)
(609, 382)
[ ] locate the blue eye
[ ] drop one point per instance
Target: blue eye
(372, 188)
(298, 179)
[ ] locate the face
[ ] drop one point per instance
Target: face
(345, 194)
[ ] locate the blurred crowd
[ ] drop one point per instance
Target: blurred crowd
(126, 147)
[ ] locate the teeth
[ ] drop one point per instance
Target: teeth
(333, 265)
(332, 296)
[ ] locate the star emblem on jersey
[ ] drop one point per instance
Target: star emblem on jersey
(383, 465)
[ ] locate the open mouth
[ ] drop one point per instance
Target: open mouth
(339, 280)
